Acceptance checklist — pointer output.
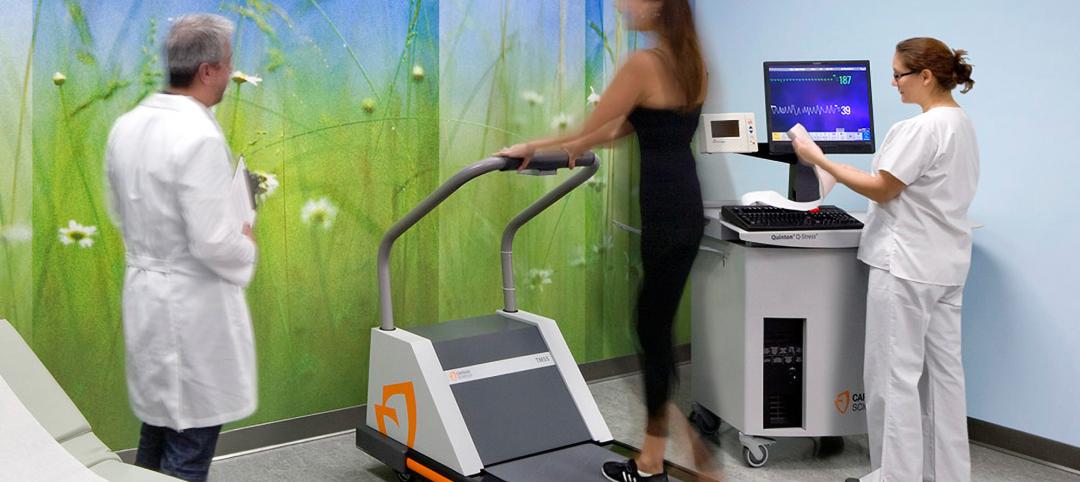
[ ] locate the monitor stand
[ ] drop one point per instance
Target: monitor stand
(802, 182)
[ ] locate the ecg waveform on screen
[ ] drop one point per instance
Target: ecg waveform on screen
(816, 109)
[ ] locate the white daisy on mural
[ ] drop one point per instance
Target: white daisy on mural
(59, 79)
(77, 233)
(242, 78)
(417, 73)
(532, 97)
(593, 97)
(538, 278)
(579, 260)
(266, 184)
(596, 184)
(319, 212)
(605, 245)
(562, 121)
(16, 233)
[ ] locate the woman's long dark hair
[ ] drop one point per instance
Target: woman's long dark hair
(676, 26)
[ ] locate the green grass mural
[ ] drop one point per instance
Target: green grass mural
(16, 33)
(352, 112)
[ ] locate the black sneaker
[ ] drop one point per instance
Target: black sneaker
(851, 479)
(628, 472)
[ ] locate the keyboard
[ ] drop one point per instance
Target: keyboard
(768, 218)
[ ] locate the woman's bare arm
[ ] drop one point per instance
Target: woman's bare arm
(608, 121)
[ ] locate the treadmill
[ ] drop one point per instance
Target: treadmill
(496, 397)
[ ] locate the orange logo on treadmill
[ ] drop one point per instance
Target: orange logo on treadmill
(383, 412)
(843, 401)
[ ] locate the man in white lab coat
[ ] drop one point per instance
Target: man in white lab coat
(190, 349)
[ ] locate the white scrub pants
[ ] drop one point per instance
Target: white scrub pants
(912, 371)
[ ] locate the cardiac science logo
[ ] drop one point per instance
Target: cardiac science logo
(846, 401)
(383, 412)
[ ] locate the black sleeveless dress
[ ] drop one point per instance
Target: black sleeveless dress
(672, 224)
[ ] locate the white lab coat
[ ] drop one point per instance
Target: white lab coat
(187, 330)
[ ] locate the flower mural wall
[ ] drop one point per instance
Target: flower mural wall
(349, 113)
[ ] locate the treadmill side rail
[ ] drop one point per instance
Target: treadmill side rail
(404, 461)
(382, 448)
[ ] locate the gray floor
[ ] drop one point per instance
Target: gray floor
(337, 459)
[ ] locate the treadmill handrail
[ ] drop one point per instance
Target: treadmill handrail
(509, 292)
(470, 172)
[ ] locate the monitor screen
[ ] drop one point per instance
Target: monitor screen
(725, 128)
(831, 99)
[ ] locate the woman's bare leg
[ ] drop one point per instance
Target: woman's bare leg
(704, 461)
(651, 458)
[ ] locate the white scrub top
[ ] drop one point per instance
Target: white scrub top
(187, 330)
(923, 234)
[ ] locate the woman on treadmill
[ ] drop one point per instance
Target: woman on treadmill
(657, 94)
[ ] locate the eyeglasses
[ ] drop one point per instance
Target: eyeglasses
(896, 77)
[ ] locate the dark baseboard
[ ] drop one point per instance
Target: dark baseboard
(320, 424)
(1025, 444)
(278, 432)
(613, 367)
(316, 425)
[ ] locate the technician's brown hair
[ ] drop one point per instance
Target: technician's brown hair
(676, 25)
(950, 67)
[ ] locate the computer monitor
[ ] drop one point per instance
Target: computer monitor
(831, 99)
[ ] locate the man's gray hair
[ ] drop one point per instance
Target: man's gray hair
(195, 40)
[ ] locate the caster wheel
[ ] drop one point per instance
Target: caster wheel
(828, 446)
(406, 476)
(707, 424)
(757, 457)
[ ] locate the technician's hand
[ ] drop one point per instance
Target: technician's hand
(808, 151)
(524, 151)
(573, 152)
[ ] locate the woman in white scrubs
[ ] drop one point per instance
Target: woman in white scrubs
(917, 242)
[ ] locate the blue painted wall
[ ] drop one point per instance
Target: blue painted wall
(1022, 306)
